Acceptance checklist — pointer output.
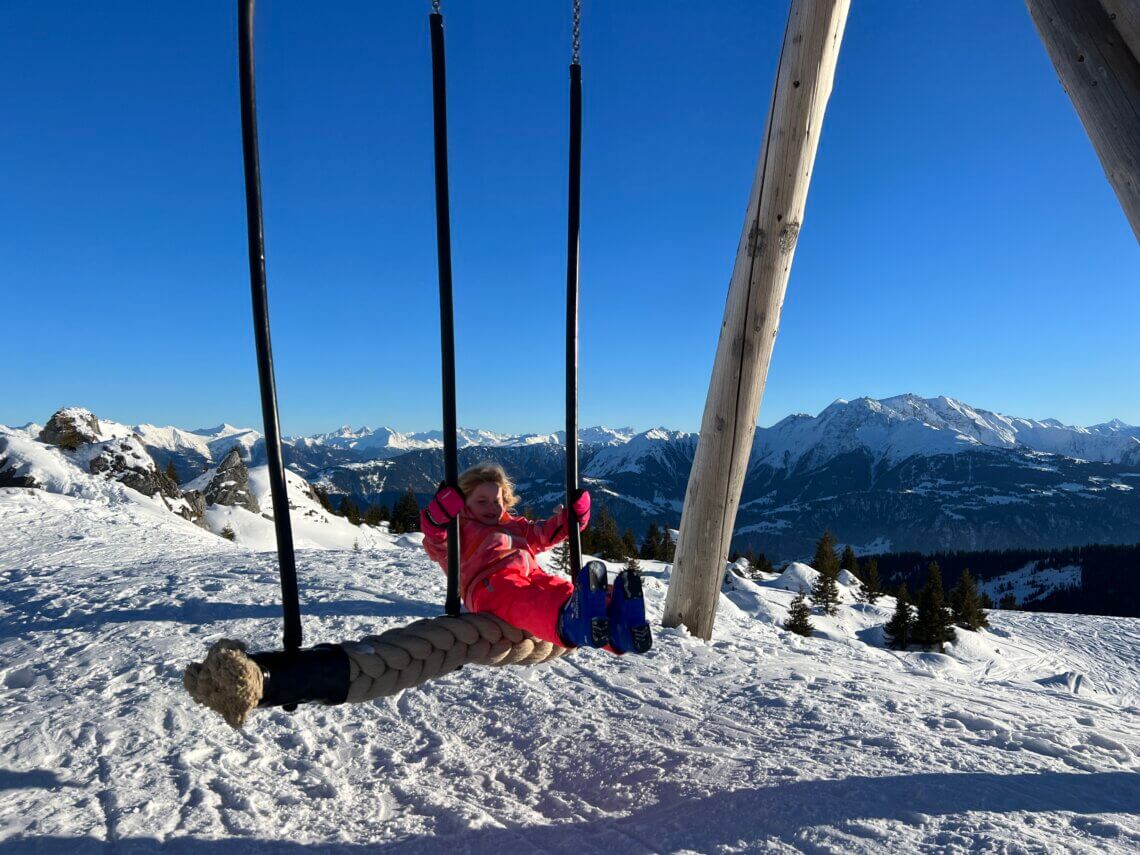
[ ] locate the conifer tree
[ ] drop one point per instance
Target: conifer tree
(607, 540)
(668, 548)
(872, 587)
(799, 614)
(171, 472)
(228, 532)
(632, 565)
(349, 510)
(373, 516)
(898, 628)
(825, 559)
(1008, 603)
(561, 557)
(586, 540)
(825, 593)
(934, 625)
(651, 545)
(406, 512)
(630, 543)
(849, 562)
(966, 604)
(759, 564)
(323, 497)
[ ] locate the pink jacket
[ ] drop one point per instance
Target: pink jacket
(485, 549)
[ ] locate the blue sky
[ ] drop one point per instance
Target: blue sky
(960, 237)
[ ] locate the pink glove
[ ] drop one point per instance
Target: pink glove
(441, 510)
(580, 507)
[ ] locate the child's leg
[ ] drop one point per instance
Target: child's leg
(529, 602)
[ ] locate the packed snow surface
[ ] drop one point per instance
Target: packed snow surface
(1025, 738)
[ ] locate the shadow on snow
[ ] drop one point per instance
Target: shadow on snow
(729, 818)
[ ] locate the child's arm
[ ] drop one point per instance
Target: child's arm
(435, 518)
(544, 535)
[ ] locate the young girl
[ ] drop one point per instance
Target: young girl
(500, 574)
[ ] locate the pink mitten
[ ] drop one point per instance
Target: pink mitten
(441, 510)
(581, 509)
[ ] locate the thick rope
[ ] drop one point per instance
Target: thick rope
(229, 682)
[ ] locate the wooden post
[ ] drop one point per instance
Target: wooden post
(1125, 16)
(752, 313)
(1102, 77)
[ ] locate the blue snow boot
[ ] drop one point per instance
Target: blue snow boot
(582, 622)
(629, 630)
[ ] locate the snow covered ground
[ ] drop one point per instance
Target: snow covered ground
(1025, 738)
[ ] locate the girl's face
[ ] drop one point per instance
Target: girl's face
(485, 503)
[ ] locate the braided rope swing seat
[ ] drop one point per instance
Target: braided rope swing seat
(233, 682)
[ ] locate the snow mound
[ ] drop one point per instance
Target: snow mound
(796, 577)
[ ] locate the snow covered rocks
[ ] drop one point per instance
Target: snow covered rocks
(70, 428)
(230, 485)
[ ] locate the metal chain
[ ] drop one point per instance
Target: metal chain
(576, 43)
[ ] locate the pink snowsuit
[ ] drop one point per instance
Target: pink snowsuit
(498, 572)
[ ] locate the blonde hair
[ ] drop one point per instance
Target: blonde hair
(489, 473)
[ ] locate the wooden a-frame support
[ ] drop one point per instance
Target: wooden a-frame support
(1094, 46)
(752, 313)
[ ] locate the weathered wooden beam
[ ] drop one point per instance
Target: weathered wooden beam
(1102, 77)
(752, 313)
(1125, 16)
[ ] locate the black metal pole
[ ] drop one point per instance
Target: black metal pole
(446, 318)
(573, 218)
(256, 233)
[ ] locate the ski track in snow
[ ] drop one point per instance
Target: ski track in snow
(1026, 740)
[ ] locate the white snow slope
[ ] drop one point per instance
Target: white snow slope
(1025, 738)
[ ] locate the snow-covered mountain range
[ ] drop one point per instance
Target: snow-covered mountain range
(903, 473)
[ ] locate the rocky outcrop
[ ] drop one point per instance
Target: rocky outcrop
(126, 460)
(197, 505)
(12, 472)
(70, 428)
(230, 485)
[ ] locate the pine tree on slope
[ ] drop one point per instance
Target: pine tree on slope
(406, 513)
(849, 562)
(825, 559)
(349, 510)
(825, 593)
(651, 545)
(561, 558)
(898, 628)
(630, 543)
(799, 615)
(935, 624)
(966, 604)
(872, 587)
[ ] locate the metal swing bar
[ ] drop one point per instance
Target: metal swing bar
(573, 224)
(446, 314)
(256, 235)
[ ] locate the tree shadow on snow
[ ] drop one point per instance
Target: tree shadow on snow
(34, 779)
(729, 818)
(201, 612)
